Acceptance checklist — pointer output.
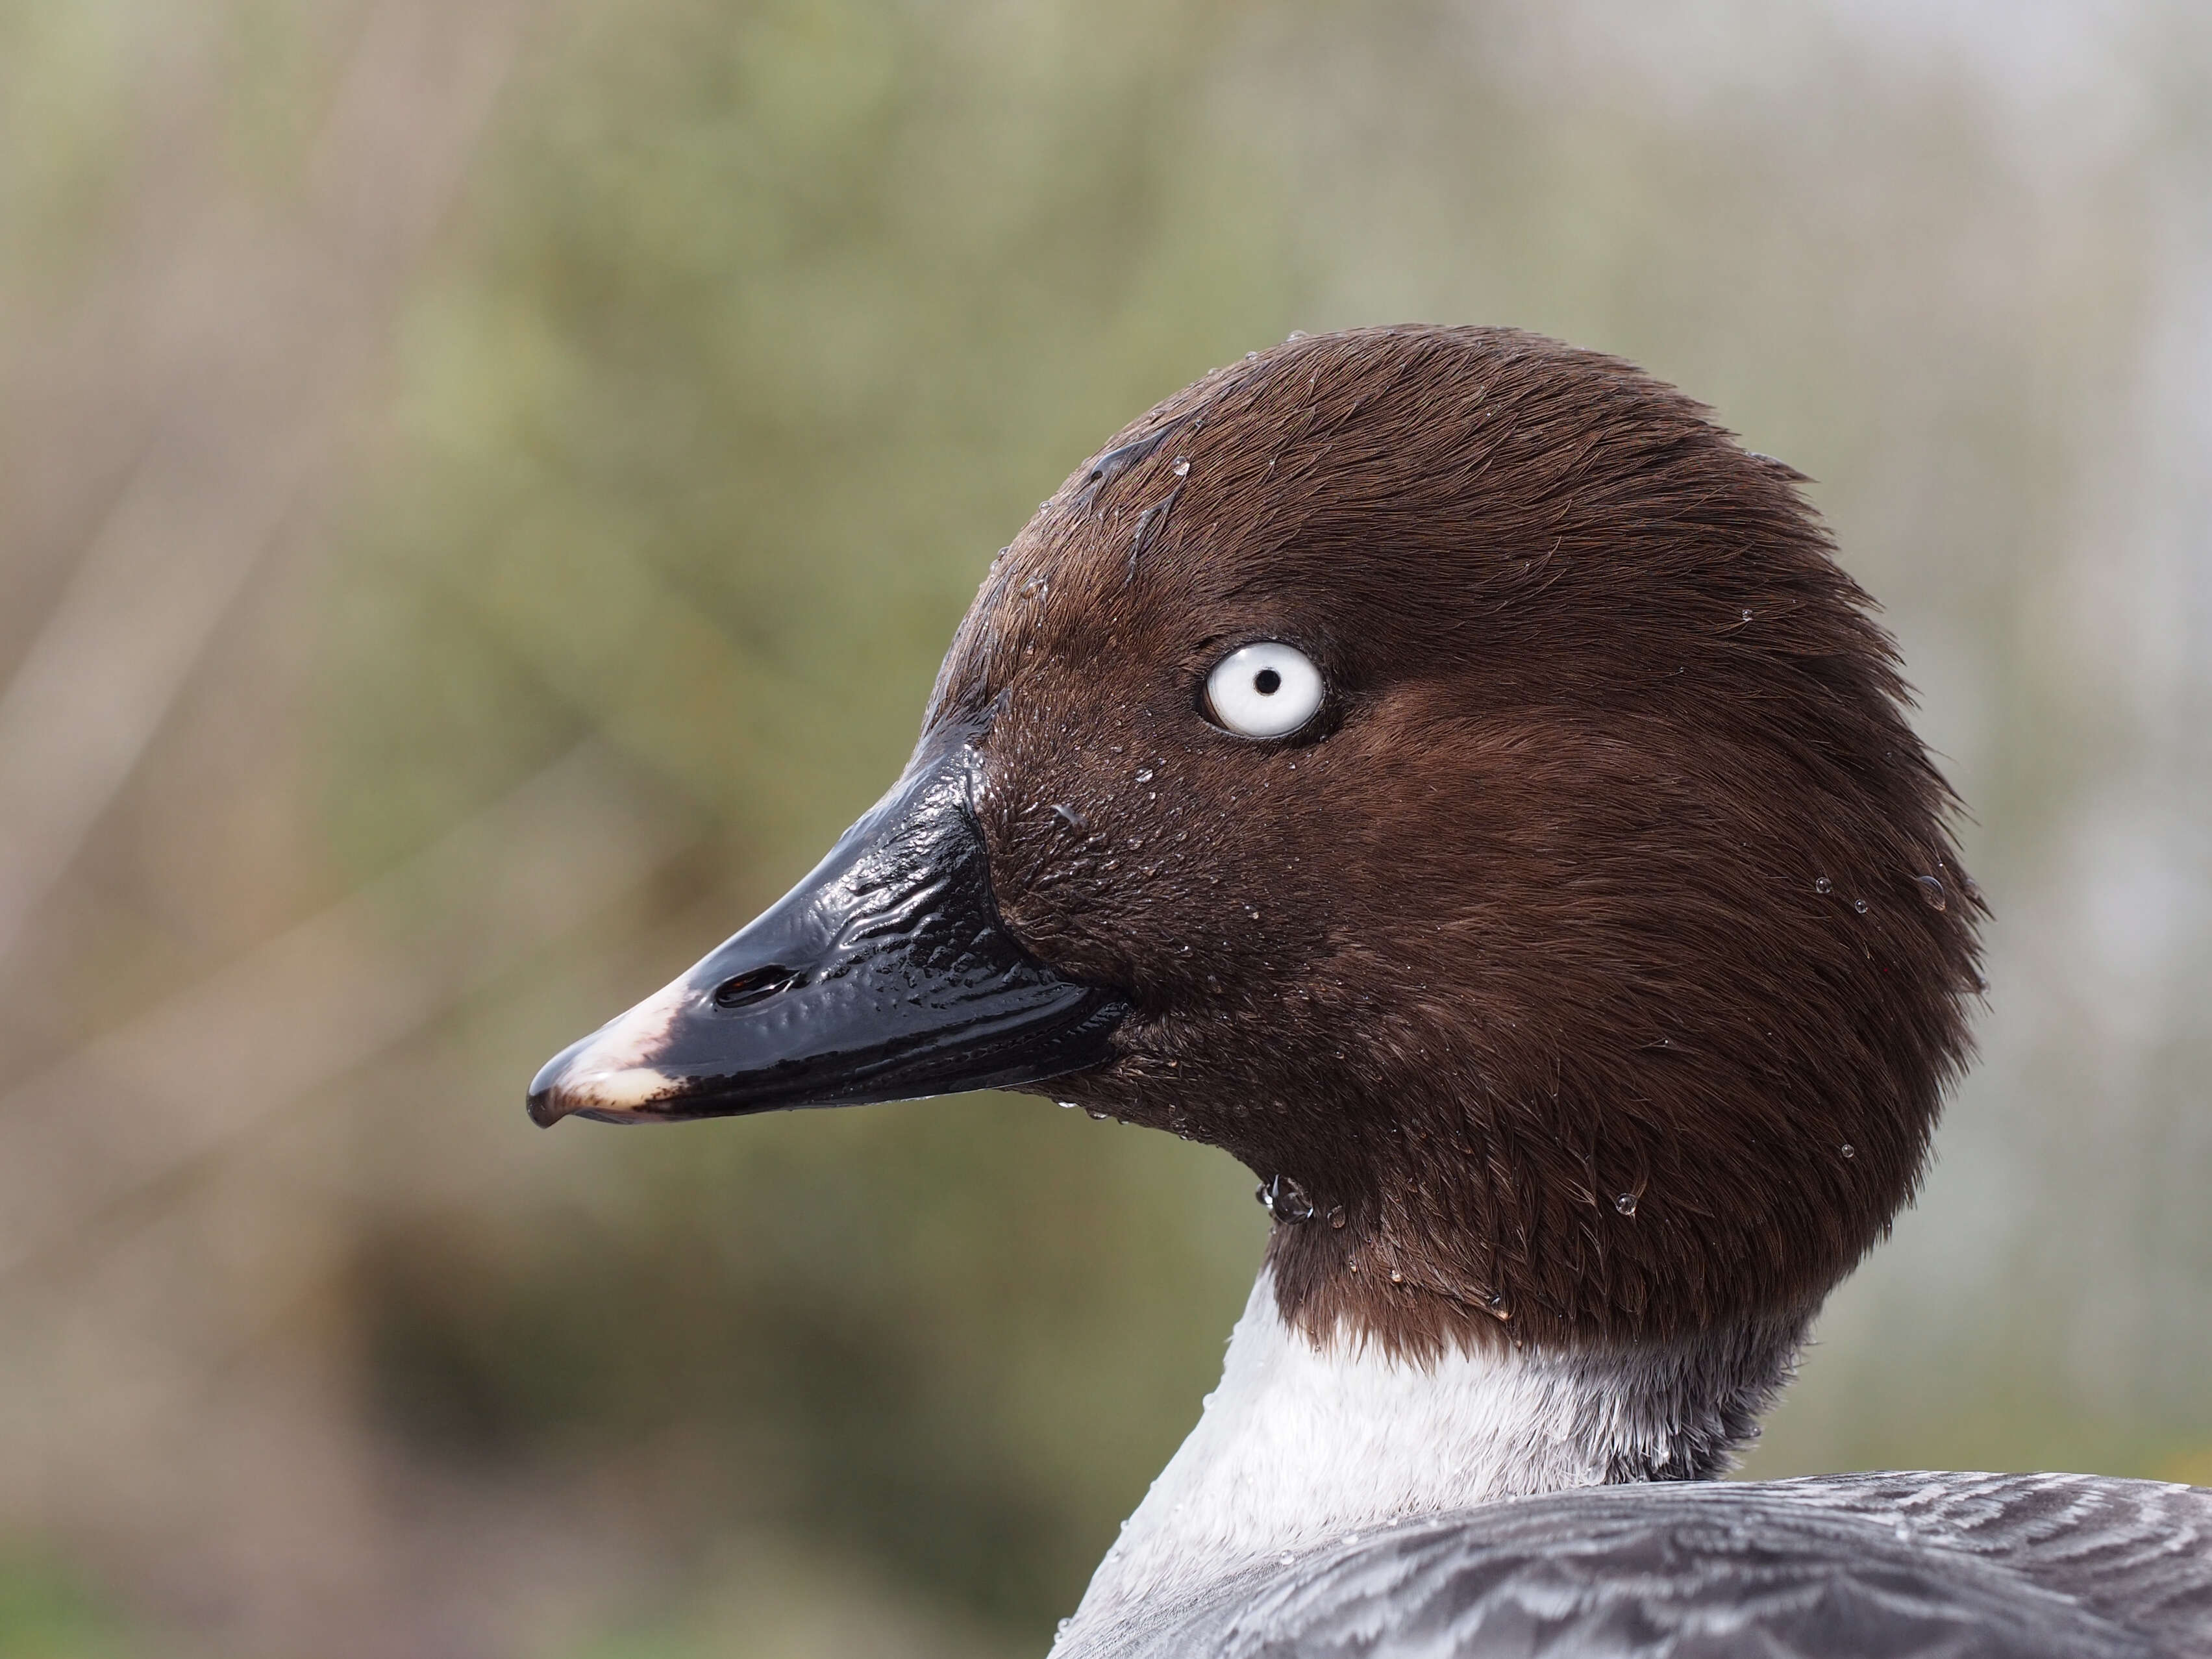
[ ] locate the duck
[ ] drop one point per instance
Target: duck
(1443, 769)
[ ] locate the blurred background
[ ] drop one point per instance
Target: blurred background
(485, 485)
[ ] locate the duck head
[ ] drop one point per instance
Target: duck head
(1441, 769)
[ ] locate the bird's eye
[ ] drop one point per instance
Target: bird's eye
(1267, 691)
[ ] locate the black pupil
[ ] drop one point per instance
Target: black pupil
(1267, 682)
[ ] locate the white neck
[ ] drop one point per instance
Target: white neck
(1303, 1443)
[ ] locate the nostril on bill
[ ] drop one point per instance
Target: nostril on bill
(757, 985)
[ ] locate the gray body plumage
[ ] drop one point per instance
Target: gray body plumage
(1861, 1566)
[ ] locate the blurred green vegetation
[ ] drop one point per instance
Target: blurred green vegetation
(45, 1613)
(775, 321)
(59, 137)
(772, 318)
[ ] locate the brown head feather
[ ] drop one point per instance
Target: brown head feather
(1596, 962)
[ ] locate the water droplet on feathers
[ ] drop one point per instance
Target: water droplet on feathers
(1625, 1204)
(1285, 1200)
(1859, 905)
(1931, 889)
(1822, 884)
(1849, 1151)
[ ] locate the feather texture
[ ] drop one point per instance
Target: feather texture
(1861, 1566)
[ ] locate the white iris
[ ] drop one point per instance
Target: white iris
(1264, 691)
